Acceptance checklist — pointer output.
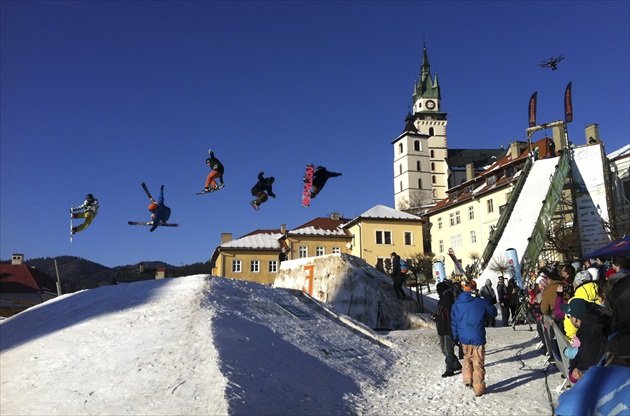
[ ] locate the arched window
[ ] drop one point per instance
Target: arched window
(418, 168)
(420, 183)
(432, 154)
(431, 131)
(417, 146)
(401, 188)
(400, 148)
(435, 193)
(400, 168)
(433, 166)
(433, 180)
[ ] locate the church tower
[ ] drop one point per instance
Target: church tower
(420, 169)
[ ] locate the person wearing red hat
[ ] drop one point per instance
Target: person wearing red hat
(160, 213)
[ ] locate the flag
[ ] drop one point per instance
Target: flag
(568, 105)
(532, 109)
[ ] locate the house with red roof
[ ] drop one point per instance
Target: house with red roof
(22, 286)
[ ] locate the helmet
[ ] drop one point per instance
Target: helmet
(153, 206)
(208, 160)
(320, 168)
(271, 179)
(89, 197)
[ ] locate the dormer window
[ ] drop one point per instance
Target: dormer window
(492, 180)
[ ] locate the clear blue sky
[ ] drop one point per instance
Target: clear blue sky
(97, 97)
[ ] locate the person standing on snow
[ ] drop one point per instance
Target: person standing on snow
(398, 276)
(90, 209)
(160, 213)
(320, 176)
(262, 190)
(217, 172)
(487, 292)
(468, 323)
(442, 319)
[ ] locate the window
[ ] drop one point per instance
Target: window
(451, 217)
(418, 166)
(417, 146)
(432, 154)
(454, 218)
(420, 183)
(320, 251)
(303, 252)
(471, 213)
(336, 250)
(490, 206)
(273, 266)
(435, 193)
(383, 237)
(473, 237)
(492, 180)
(457, 218)
(400, 168)
(401, 188)
(408, 238)
(237, 266)
(432, 166)
(439, 223)
(456, 241)
(254, 266)
(431, 131)
(433, 180)
(441, 245)
(400, 148)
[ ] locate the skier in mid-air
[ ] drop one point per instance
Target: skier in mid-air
(262, 190)
(320, 176)
(90, 209)
(160, 213)
(217, 172)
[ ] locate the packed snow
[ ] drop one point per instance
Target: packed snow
(205, 345)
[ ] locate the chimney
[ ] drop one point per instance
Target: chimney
(283, 229)
(515, 150)
(334, 216)
(592, 134)
(225, 237)
(470, 171)
(559, 137)
(17, 259)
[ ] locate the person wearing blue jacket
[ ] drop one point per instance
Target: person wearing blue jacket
(468, 322)
(160, 213)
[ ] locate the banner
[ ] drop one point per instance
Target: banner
(514, 269)
(439, 272)
(532, 109)
(568, 105)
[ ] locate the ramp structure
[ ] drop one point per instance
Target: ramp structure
(524, 224)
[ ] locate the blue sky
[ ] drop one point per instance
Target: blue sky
(98, 97)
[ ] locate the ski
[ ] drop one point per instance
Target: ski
(211, 190)
(150, 223)
(144, 186)
(308, 185)
(71, 225)
(253, 204)
(458, 265)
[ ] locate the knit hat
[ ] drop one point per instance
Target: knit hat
(541, 280)
(582, 277)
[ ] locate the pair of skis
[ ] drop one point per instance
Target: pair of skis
(144, 186)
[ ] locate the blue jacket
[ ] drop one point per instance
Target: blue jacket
(468, 319)
(162, 213)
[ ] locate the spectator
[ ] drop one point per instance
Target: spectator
(469, 327)
(585, 289)
(504, 301)
(487, 292)
(442, 319)
(513, 290)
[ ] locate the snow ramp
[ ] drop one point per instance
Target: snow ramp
(523, 225)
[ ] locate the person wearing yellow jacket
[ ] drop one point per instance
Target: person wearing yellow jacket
(585, 289)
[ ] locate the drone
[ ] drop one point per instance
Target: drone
(551, 63)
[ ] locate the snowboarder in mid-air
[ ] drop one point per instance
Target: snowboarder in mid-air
(90, 209)
(160, 213)
(217, 172)
(320, 177)
(262, 190)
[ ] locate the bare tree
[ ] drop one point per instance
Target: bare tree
(499, 264)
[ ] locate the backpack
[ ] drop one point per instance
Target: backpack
(404, 267)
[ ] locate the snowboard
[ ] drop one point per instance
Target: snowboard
(150, 223)
(210, 191)
(71, 226)
(308, 185)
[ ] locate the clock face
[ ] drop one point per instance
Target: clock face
(430, 104)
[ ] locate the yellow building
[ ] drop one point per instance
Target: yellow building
(382, 230)
(256, 256)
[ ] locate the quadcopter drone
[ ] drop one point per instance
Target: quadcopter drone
(551, 63)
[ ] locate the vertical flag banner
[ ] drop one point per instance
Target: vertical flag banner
(568, 105)
(532, 109)
(439, 271)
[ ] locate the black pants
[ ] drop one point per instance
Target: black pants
(505, 314)
(398, 283)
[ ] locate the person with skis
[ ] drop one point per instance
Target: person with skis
(216, 173)
(442, 318)
(399, 277)
(90, 209)
(262, 190)
(320, 176)
(160, 213)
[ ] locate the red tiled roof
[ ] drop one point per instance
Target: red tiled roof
(19, 278)
(322, 225)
